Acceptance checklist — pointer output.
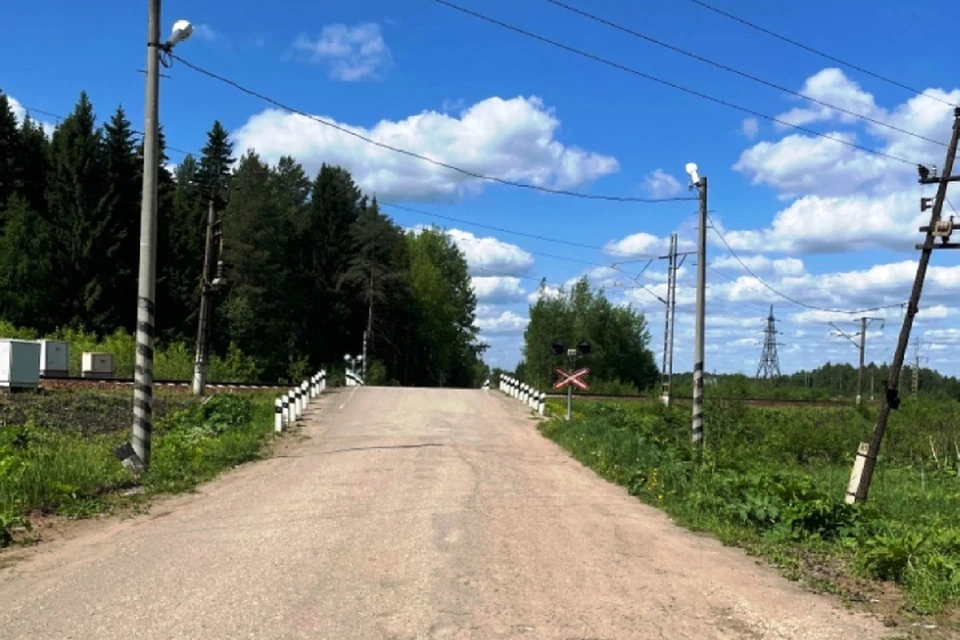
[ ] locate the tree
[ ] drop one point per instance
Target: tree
(618, 337)
(85, 231)
(255, 229)
(33, 164)
(122, 205)
(9, 152)
(215, 162)
(24, 264)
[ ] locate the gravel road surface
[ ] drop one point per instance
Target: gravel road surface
(407, 514)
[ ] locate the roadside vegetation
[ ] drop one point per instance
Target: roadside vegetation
(772, 480)
(52, 465)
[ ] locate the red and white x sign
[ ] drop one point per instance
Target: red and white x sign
(575, 378)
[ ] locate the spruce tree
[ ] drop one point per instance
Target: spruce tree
(25, 269)
(34, 159)
(84, 234)
(216, 158)
(9, 151)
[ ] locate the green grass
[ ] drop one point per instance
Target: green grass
(772, 480)
(67, 472)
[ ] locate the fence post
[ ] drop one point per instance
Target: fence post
(543, 403)
(323, 380)
(305, 386)
(285, 401)
(290, 407)
(278, 415)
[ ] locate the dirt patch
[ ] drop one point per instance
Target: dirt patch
(89, 412)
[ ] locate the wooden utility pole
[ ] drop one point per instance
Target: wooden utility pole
(866, 460)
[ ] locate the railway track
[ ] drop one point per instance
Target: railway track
(176, 385)
(756, 402)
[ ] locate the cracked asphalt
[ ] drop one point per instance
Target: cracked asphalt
(408, 514)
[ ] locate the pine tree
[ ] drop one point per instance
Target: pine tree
(215, 162)
(254, 236)
(122, 206)
(34, 159)
(25, 271)
(84, 234)
(9, 152)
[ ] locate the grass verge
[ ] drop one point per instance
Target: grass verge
(772, 481)
(44, 471)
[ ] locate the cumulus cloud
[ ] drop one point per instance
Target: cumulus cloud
(506, 322)
(760, 264)
(842, 198)
(512, 139)
(20, 112)
(349, 53)
(497, 289)
(490, 254)
(661, 184)
(547, 292)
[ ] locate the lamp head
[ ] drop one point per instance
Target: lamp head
(182, 30)
(692, 172)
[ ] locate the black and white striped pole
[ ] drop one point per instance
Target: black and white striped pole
(278, 415)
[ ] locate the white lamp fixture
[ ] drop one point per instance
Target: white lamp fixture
(692, 172)
(182, 30)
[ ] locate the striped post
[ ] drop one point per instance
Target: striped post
(278, 415)
(298, 402)
(306, 393)
(542, 405)
(290, 408)
(285, 401)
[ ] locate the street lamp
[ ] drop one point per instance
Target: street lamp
(147, 277)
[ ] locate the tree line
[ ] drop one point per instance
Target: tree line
(310, 261)
(620, 360)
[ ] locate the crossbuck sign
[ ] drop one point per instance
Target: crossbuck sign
(574, 379)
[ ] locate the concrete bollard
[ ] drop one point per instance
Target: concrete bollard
(278, 415)
(291, 408)
(285, 401)
(542, 405)
(305, 387)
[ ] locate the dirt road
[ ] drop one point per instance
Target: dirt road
(408, 513)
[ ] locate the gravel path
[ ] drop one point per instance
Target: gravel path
(408, 513)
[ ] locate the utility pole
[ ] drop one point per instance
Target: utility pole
(700, 182)
(861, 346)
(208, 286)
(147, 275)
(867, 455)
(668, 321)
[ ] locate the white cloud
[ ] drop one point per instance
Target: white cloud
(350, 53)
(760, 264)
(661, 184)
(843, 198)
(497, 289)
(456, 105)
(206, 32)
(20, 112)
(506, 322)
(750, 128)
(511, 139)
(491, 253)
(547, 292)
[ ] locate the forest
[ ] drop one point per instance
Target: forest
(310, 261)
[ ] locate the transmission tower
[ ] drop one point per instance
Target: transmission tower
(769, 366)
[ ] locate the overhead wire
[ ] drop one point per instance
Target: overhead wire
(420, 156)
(739, 72)
(820, 53)
(786, 297)
(673, 85)
(522, 234)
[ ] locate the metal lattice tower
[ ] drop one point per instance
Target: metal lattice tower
(769, 366)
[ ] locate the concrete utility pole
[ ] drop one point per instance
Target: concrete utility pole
(669, 317)
(147, 277)
(866, 461)
(208, 286)
(700, 182)
(861, 346)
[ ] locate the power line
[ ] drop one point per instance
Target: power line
(418, 156)
(738, 72)
(672, 85)
(818, 52)
(60, 117)
(521, 234)
(793, 300)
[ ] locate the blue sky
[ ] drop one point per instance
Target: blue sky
(817, 220)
